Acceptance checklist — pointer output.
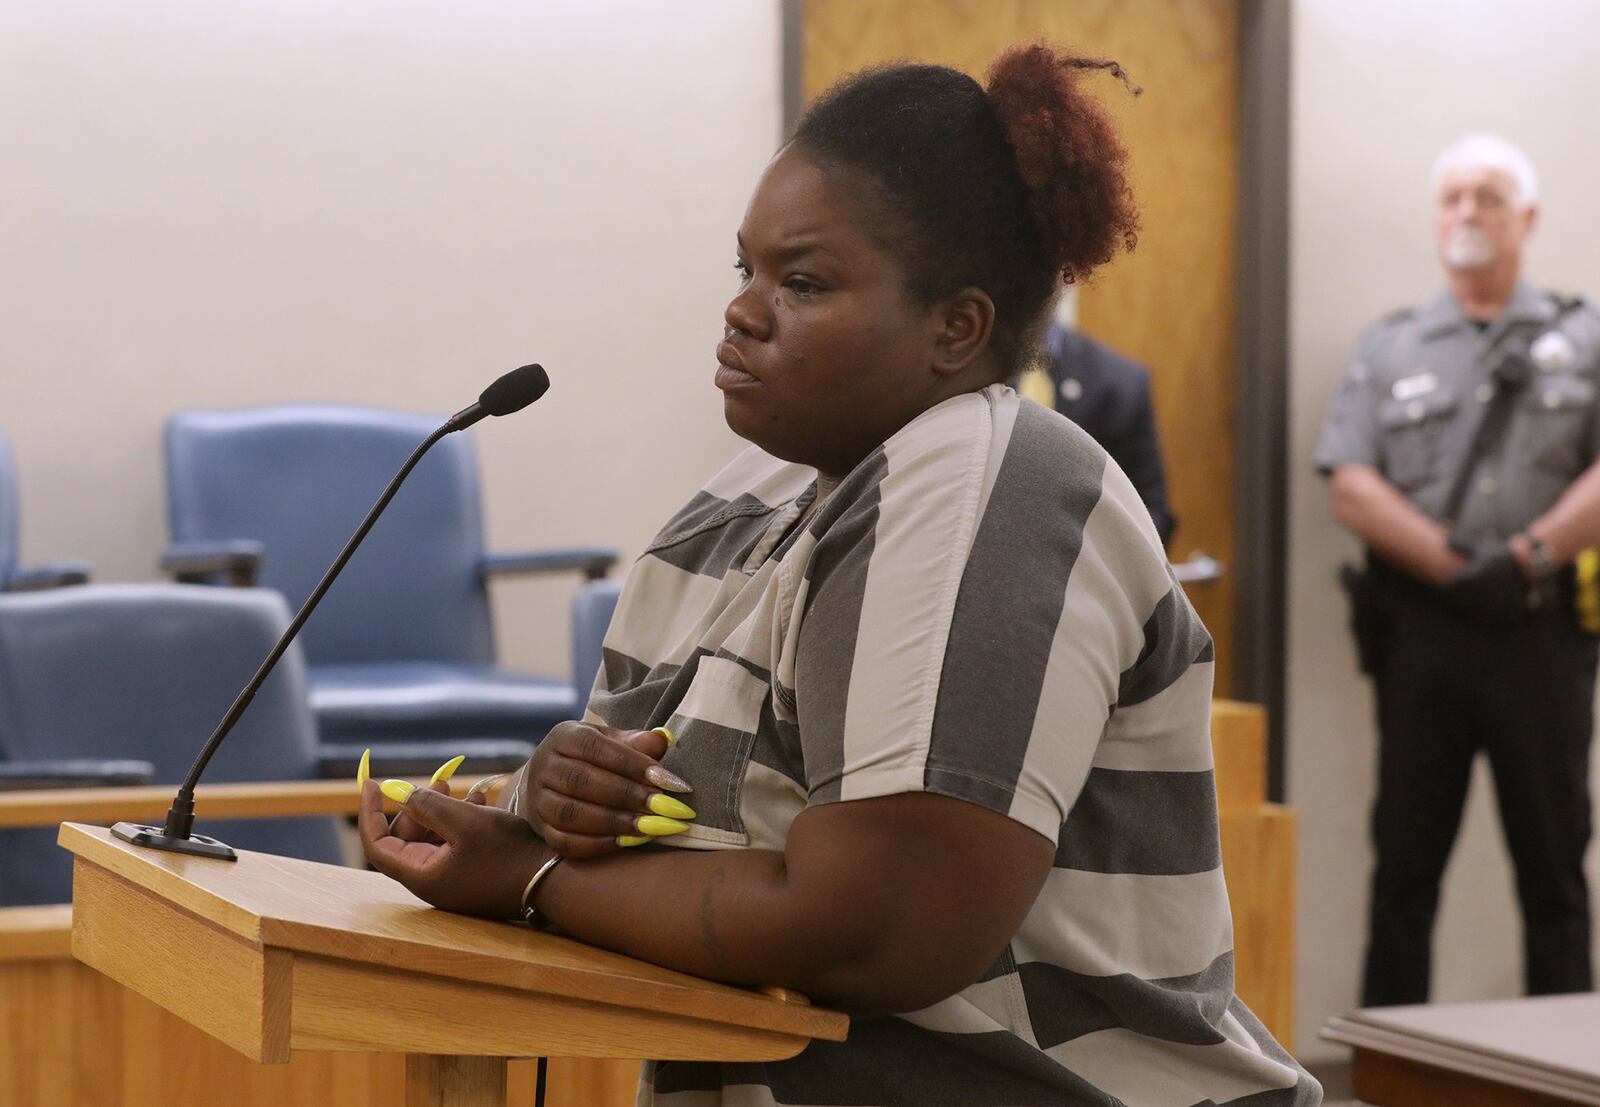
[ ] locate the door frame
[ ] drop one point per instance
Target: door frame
(1261, 433)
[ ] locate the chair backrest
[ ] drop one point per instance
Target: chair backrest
(299, 478)
(146, 671)
(592, 609)
(8, 512)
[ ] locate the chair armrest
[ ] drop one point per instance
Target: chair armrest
(18, 776)
(421, 758)
(593, 561)
(202, 562)
(57, 574)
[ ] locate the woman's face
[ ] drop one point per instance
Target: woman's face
(824, 354)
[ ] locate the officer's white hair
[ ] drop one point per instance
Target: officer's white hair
(1493, 152)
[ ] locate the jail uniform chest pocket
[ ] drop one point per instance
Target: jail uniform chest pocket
(715, 727)
(1558, 412)
(1412, 432)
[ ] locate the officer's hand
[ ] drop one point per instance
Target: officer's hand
(1491, 589)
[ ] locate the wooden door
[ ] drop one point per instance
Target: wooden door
(1170, 304)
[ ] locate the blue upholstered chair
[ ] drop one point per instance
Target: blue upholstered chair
(13, 578)
(401, 650)
(144, 672)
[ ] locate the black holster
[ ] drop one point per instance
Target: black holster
(1374, 594)
(1378, 591)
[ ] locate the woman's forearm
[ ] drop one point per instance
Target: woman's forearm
(726, 915)
(883, 904)
(887, 904)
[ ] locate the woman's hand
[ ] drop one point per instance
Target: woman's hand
(408, 829)
(590, 790)
(459, 855)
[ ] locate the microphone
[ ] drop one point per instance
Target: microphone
(506, 396)
(511, 393)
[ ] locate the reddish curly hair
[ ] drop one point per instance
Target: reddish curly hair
(1069, 153)
(1013, 189)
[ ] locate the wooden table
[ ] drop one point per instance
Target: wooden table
(1502, 1053)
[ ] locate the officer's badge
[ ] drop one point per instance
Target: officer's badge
(1553, 352)
(1418, 384)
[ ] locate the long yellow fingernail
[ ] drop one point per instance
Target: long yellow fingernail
(448, 769)
(663, 804)
(659, 826)
(634, 840)
(363, 770)
(398, 790)
(667, 734)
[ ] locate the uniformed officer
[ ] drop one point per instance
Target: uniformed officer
(1462, 448)
(1107, 395)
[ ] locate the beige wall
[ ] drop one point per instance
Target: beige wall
(1379, 87)
(235, 203)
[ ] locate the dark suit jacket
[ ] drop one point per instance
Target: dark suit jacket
(1108, 395)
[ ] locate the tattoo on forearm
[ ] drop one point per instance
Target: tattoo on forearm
(708, 929)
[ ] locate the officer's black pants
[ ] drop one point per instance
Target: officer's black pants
(1447, 688)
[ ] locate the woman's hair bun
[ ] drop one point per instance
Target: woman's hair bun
(1069, 154)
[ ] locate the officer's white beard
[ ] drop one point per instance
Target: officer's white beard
(1468, 247)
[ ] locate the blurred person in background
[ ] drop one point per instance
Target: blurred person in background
(1107, 395)
(1460, 449)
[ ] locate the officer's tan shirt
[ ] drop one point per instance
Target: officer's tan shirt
(1417, 386)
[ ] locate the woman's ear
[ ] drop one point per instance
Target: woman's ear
(966, 322)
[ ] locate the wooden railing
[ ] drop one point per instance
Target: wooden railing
(1259, 865)
(145, 803)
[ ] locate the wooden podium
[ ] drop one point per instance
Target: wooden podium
(269, 954)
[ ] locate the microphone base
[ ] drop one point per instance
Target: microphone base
(155, 837)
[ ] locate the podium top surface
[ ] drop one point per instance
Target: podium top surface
(1544, 1042)
(356, 915)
